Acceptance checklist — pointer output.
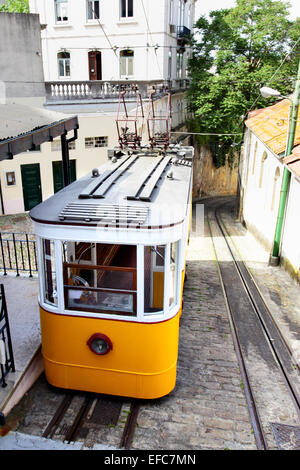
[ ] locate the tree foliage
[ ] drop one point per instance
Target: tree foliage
(15, 6)
(236, 51)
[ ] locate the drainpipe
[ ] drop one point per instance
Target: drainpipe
(274, 258)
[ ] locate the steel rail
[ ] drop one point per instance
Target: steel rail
(241, 266)
(84, 412)
(275, 340)
(58, 416)
(129, 428)
(252, 406)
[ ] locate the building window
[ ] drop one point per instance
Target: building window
(126, 63)
(275, 182)
(10, 177)
(56, 145)
(126, 8)
(181, 12)
(61, 11)
(179, 65)
(93, 10)
(254, 158)
(64, 69)
(171, 12)
(261, 176)
(95, 142)
(170, 64)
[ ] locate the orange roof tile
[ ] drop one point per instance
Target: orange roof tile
(270, 125)
(293, 161)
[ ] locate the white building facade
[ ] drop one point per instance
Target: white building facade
(261, 170)
(112, 40)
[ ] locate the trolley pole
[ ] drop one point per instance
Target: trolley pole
(274, 258)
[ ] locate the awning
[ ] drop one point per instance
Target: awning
(23, 127)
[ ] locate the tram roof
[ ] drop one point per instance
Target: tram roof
(145, 189)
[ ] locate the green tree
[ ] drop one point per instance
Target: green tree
(15, 6)
(236, 52)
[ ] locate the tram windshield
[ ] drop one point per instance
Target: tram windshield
(100, 277)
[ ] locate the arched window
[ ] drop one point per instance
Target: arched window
(261, 176)
(126, 63)
(63, 60)
(254, 158)
(275, 183)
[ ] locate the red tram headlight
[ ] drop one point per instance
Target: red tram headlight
(99, 344)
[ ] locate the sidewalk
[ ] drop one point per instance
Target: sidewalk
(23, 312)
(280, 292)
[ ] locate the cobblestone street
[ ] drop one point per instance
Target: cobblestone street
(207, 409)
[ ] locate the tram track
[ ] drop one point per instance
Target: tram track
(78, 413)
(256, 337)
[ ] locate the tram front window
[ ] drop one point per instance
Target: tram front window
(100, 277)
(49, 294)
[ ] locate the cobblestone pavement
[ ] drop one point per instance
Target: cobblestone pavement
(16, 223)
(207, 409)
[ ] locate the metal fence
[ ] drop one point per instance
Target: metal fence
(18, 253)
(6, 353)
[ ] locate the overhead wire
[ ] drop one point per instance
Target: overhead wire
(150, 34)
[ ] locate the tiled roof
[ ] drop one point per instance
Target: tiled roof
(293, 161)
(270, 125)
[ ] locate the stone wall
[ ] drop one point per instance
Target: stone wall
(212, 181)
(21, 71)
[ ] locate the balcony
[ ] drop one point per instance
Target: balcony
(183, 35)
(62, 92)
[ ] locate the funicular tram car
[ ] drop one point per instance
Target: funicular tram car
(111, 257)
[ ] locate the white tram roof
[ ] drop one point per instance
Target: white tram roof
(139, 189)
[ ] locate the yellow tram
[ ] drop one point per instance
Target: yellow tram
(111, 259)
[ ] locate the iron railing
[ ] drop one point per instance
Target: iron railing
(18, 253)
(6, 352)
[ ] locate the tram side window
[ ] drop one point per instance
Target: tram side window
(154, 274)
(173, 272)
(100, 277)
(50, 295)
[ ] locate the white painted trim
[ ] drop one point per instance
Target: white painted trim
(59, 274)
(40, 268)
(140, 281)
(111, 234)
(167, 278)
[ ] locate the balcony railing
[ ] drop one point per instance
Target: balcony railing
(183, 32)
(91, 90)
